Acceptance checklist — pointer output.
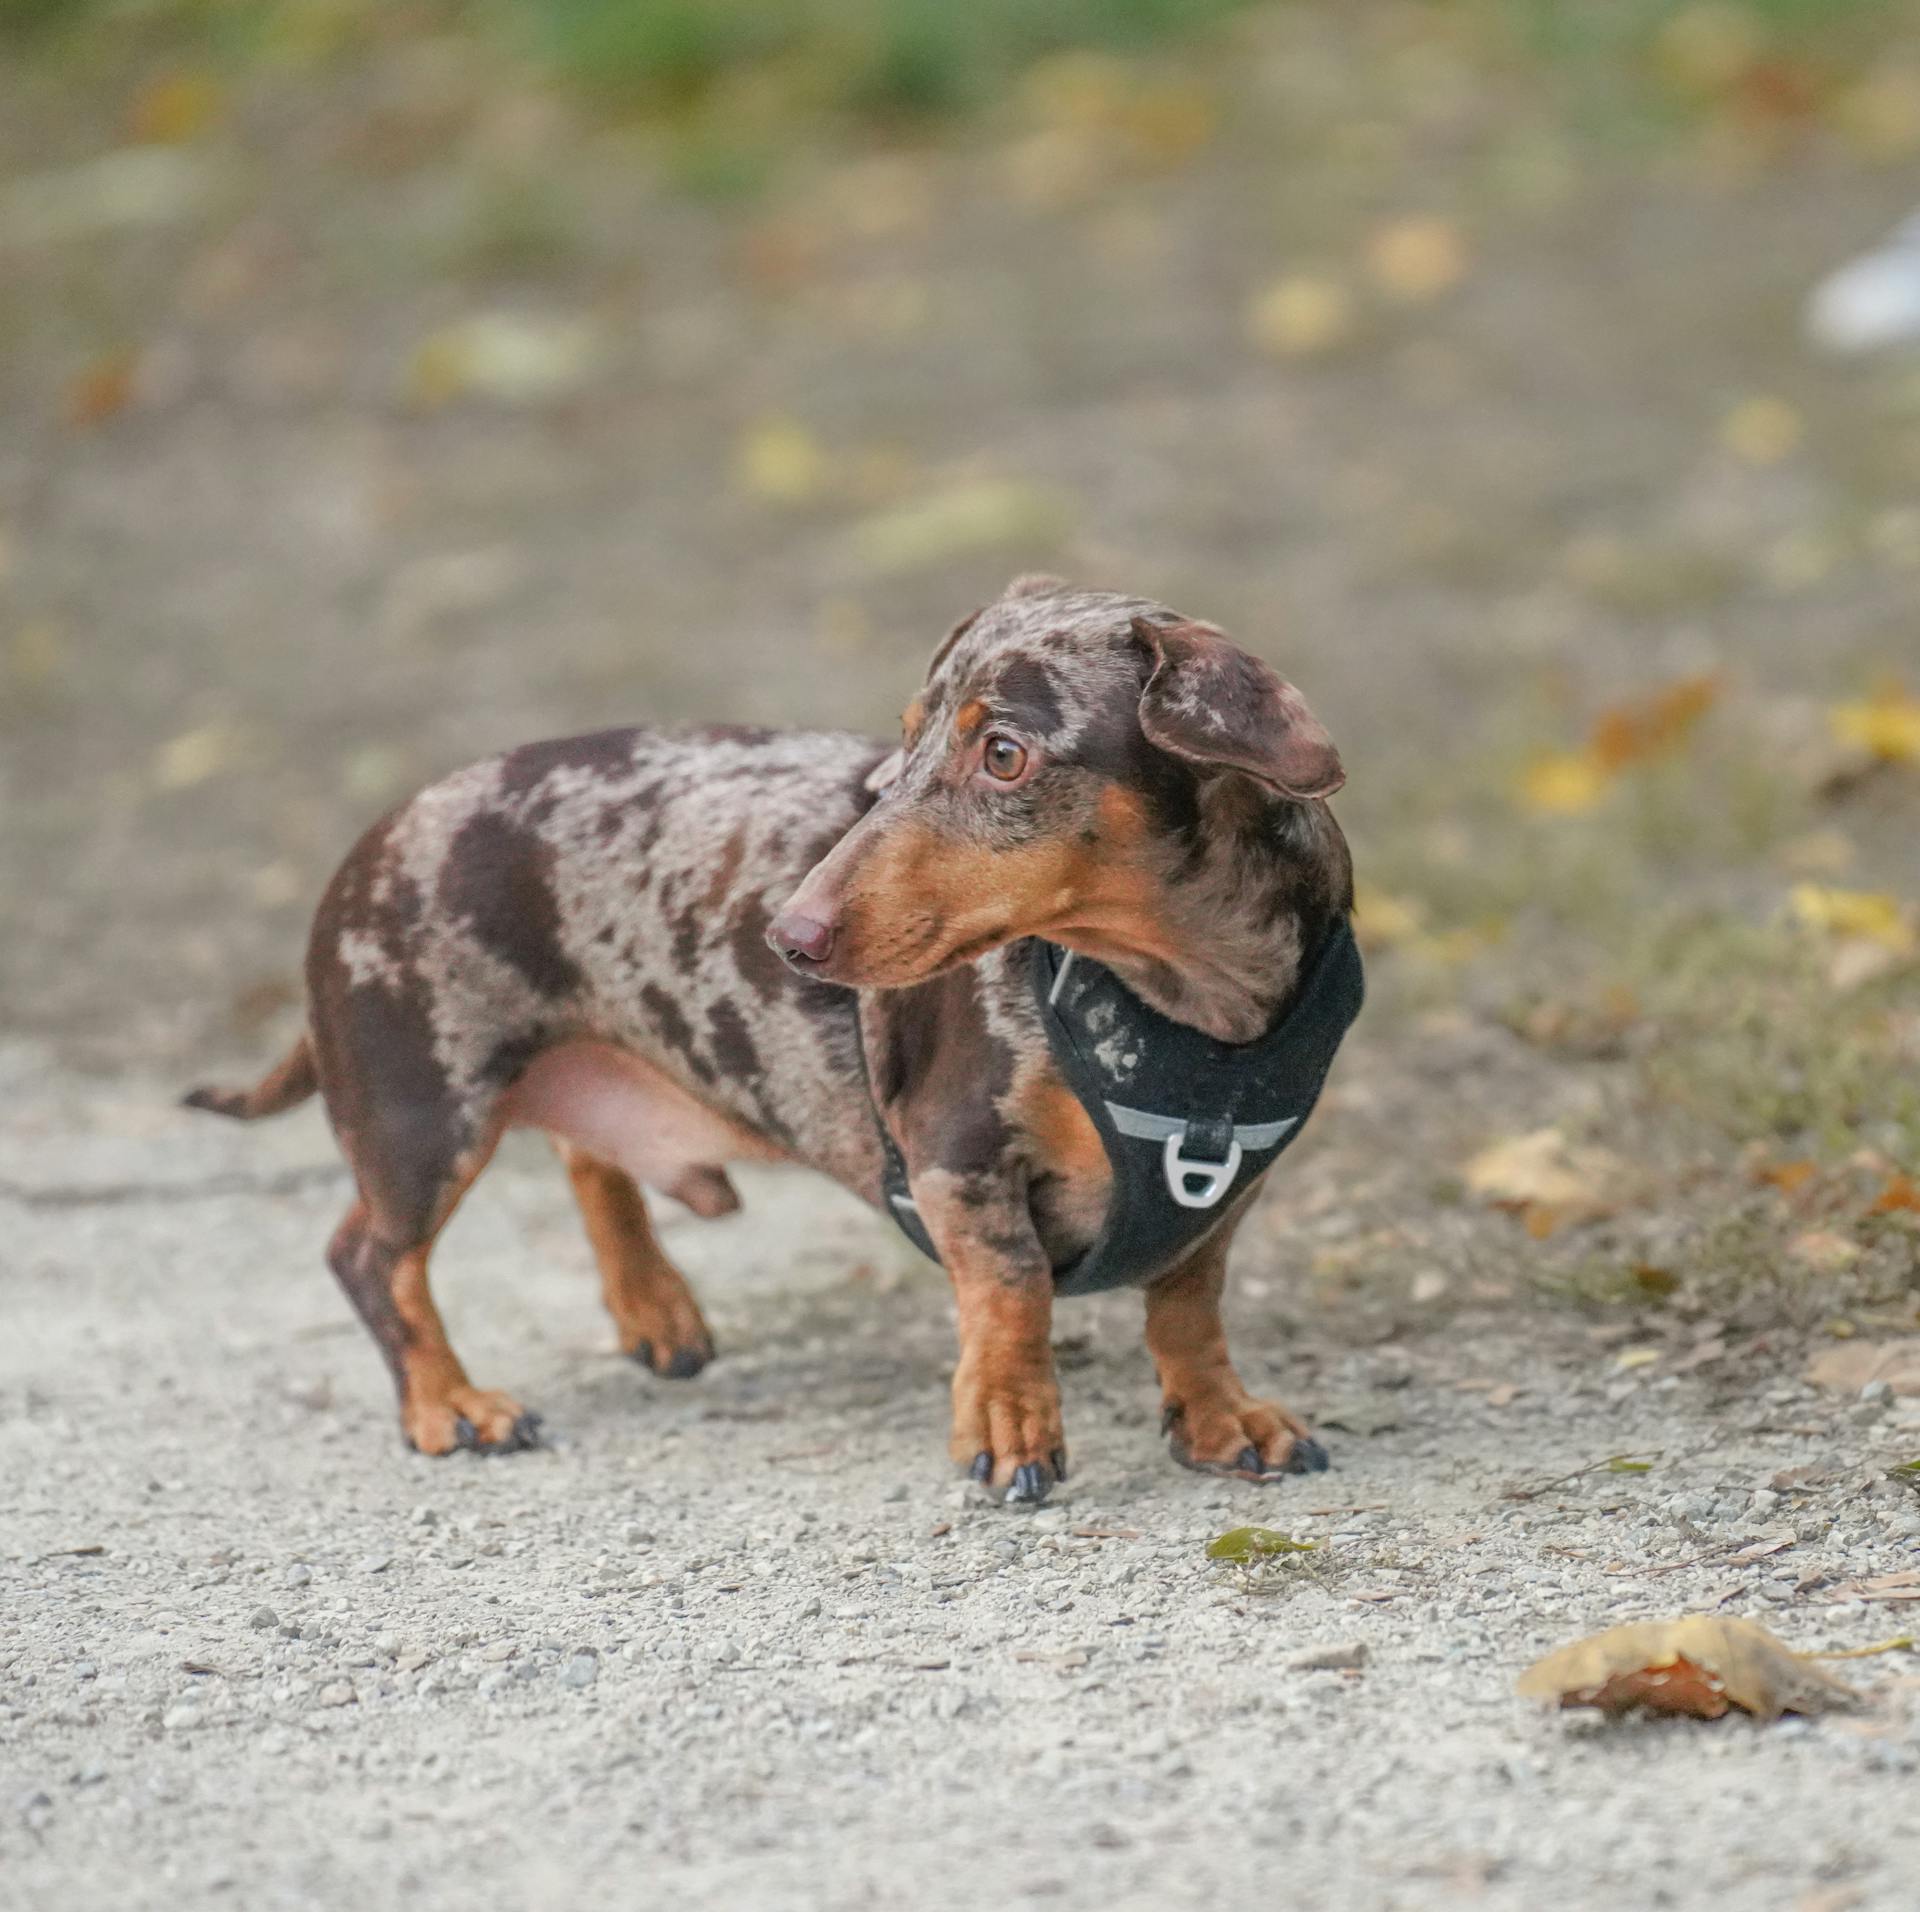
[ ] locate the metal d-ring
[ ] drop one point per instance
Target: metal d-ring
(1215, 1177)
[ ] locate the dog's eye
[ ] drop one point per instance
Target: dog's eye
(1003, 759)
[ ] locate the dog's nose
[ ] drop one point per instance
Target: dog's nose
(802, 941)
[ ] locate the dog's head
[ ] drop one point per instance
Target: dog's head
(1054, 774)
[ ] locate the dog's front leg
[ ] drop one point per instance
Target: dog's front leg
(1007, 1433)
(1212, 1423)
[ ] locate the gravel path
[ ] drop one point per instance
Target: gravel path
(742, 1641)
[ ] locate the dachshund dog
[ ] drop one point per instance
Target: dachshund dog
(677, 950)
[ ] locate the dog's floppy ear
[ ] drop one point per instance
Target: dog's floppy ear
(1210, 702)
(886, 770)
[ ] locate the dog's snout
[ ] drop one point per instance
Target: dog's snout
(801, 940)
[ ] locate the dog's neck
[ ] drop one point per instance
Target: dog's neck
(1237, 913)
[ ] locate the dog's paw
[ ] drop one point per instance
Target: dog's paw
(480, 1420)
(1018, 1483)
(672, 1363)
(1244, 1438)
(1007, 1435)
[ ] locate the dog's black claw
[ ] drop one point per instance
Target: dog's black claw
(465, 1434)
(1307, 1457)
(685, 1364)
(1033, 1482)
(526, 1432)
(642, 1352)
(982, 1468)
(1249, 1461)
(1059, 1458)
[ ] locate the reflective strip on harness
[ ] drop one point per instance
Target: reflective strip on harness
(1184, 1171)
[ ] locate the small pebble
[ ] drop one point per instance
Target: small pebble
(263, 1619)
(334, 1693)
(581, 1670)
(299, 1575)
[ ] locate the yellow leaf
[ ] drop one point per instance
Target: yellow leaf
(1564, 783)
(781, 461)
(1168, 122)
(1699, 1666)
(981, 515)
(1886, 725)
(1382, 921)
(1629, 1358)
(195, 755)
(1871, 914)
(1417, 259)
(174, 107)
(1763, 431)
(1301, 315)
(1080, 89)
(1879, 116)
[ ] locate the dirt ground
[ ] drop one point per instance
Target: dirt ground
(280, 539)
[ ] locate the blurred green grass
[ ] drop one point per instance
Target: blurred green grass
(904, 59)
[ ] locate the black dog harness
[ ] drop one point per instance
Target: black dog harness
(1188, 1122)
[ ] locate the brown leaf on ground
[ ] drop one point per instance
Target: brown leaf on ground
(103, 389)
(1700, 1666)
(1901, 1195)
(1651, 726)
(1850, 1366)
(1549, 1182)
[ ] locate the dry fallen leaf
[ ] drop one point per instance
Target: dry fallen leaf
(1900, 1195)
(1762, 431)
(1651, 726)
(1565, 783)
(1701, 1666)
(1381, 920)
(1885, 724)
(781, 461)
(1547, 1180)
(1417, 259)
(1825, 1250)
(1853, 1364)
(1640, 730)
(509, 357)
(175, 107)
(1301, 315)
(1870, 914)
(100, 390)
(983, 514)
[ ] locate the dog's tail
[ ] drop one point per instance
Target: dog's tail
(289, 1082)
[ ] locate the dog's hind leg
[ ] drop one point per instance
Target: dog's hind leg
(415, 1138)
(440, 1409)
(658, 1320)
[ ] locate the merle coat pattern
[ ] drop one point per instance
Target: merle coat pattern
(677, 950)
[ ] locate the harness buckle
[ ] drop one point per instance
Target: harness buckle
(1214, 1178)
